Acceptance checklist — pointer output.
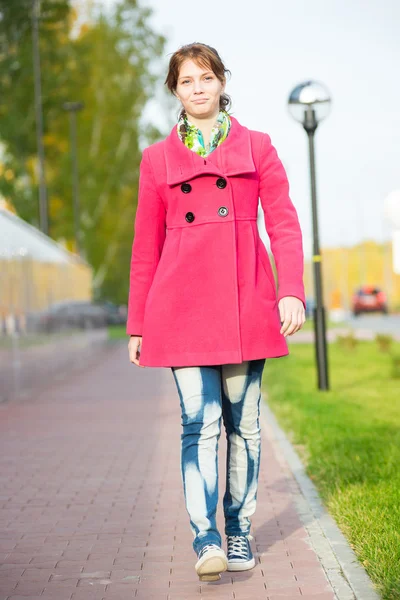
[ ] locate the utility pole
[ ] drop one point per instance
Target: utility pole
(43, 203)
(72, 108)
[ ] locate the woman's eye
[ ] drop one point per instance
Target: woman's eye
(186, 81)
(209, 77)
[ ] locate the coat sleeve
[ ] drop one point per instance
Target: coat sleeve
(281, 222)
(148, 241)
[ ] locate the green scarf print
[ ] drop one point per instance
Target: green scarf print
(193, 138)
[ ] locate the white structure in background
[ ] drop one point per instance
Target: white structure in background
(392, 214)
(261, 227)
(19, 238)
(33, 266)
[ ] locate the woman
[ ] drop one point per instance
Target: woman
(203, 300)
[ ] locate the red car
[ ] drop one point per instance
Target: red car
(369, 298)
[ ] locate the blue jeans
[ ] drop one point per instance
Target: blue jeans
(206, 393)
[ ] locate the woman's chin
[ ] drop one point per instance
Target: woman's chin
(201, 110)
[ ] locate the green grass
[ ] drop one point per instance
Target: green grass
(118, 332)
(309, 325)
(349, 441)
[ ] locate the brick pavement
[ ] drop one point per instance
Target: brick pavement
(91, 502)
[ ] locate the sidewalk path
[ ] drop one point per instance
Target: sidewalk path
(91, 502)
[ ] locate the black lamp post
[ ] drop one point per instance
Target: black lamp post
(73, 108)
(309, 103)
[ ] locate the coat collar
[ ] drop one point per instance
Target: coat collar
(234, 154)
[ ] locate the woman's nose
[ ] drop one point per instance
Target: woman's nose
(198, 87)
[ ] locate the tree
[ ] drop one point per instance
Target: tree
(108, 65)
(17, 109)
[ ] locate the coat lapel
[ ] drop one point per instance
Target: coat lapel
(234, 156)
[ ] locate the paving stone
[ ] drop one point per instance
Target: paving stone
(105, 518)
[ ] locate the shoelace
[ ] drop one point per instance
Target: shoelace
(237, 544)
(208, 547)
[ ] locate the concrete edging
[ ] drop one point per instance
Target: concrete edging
(343, 570)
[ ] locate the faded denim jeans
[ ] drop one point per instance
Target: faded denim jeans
(206, 393)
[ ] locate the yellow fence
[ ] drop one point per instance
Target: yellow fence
(27, 285)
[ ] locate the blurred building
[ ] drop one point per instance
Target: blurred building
(345, 269)
(35, 272)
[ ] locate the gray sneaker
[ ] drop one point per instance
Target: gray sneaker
(211, 562)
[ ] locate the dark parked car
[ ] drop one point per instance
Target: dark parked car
(116, 314)
(72, 314)
(369, 298)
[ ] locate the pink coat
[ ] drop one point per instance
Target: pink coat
(202, 289)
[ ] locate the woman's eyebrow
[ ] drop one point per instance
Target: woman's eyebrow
(188, 76)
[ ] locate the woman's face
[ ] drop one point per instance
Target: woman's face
(199, 90)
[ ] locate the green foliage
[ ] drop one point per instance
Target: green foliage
(17, 109)
(108, 64)
(395, 366)
(347, 342)
(384, 342)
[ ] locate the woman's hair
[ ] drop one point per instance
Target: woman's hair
(203, 55)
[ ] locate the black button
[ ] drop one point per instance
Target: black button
(186, 188)
(223, 211)
(221, 183)
(189, 217)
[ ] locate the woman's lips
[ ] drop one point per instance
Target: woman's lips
(200, 101)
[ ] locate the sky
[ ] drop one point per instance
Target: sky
(353, 48)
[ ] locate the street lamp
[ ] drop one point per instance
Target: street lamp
(73, 108)
(309, 103)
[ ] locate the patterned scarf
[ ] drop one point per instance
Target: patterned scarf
(192, 137)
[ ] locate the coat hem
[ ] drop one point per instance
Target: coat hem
(197, 359)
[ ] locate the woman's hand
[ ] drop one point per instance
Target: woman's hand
(292, 313)
(133, 347)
